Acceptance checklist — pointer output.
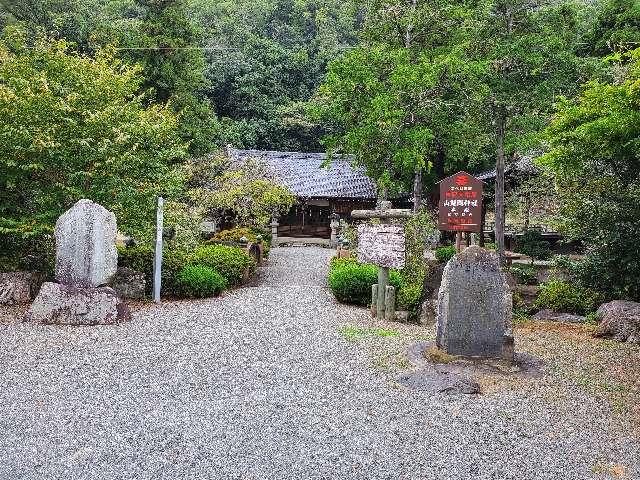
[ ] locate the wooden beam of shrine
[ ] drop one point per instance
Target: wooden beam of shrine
(390, 213)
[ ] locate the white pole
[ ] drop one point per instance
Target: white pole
(157, 264)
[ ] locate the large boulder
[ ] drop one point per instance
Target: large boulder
(619, 320)
(86, 254)
(475, 307)
(67, 305)
(19, 287)
(427, 309)
(129, 283)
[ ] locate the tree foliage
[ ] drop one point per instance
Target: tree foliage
(75, 127)
(595, 157)
(401, 96)
(242, 193)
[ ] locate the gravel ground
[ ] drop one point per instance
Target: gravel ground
(263, 383)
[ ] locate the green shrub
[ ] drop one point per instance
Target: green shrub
(199, 281)
(351, 282)
(408, 297)
(444, 254)
(567, 297)
(524, 274)
(235, 234)
(532, 245)
(141, 259)
(230, 262)
(490, 246)
(339, 262)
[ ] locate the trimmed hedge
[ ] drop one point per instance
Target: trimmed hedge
(444, 254)
(235, 234)
(141, 259)
(567, 297)
(231, 262)
(351, 282)
(199, 281)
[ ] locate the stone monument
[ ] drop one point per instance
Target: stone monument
(86, 260)
(475, 307)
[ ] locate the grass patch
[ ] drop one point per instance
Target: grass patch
(352, 333)
(438, 356)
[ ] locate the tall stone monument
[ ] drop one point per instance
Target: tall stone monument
(86, 260)
(475, 307)
(86, 254)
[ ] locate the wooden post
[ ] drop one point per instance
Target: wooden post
(374, 300)
(157, 264)
(383, 281)
(390, 304)
(499, 197)
(458, 242)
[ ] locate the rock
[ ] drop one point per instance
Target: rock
(475, 307)
(528, 293)
(619, 320)
(19, 287)
(553, 316)
(402, 316)
(128, 283)
(428, 300)
(436, 382)
(86, 254)
(67, 305)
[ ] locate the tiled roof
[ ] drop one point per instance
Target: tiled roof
(305, 176)
(523, 165)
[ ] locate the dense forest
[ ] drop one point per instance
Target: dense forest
(414, 89)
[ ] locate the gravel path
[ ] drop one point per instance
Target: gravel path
(260, 384)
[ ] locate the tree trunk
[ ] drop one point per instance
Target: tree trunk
(527, 211)
(417, 191)
(439, 164)
(482, 224)
(500, 188)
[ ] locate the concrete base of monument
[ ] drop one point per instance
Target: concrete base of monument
(437, 372)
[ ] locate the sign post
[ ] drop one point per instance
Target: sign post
(382, 245)
(157, 264)
(460, 206)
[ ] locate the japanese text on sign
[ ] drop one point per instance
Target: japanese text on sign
(382, 245)
(460, 207)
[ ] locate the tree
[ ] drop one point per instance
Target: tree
(265, 59)
(527, 51)
(400, 97)
(616, 29)
(595, 158)
(159, 36)
(243, 193)
(75, 127)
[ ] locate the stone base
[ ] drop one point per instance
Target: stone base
(19, 287)
(58, 304)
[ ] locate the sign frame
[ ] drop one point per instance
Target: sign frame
(460, 204)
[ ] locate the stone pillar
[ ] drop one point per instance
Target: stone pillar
(334, 231)
(383, 281)
(475, 307)
(86, 259)
(274, 232)
(390, 303)
(374, 299)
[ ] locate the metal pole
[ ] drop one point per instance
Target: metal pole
(157, 264)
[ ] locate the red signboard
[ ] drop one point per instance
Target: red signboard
(460, 207)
